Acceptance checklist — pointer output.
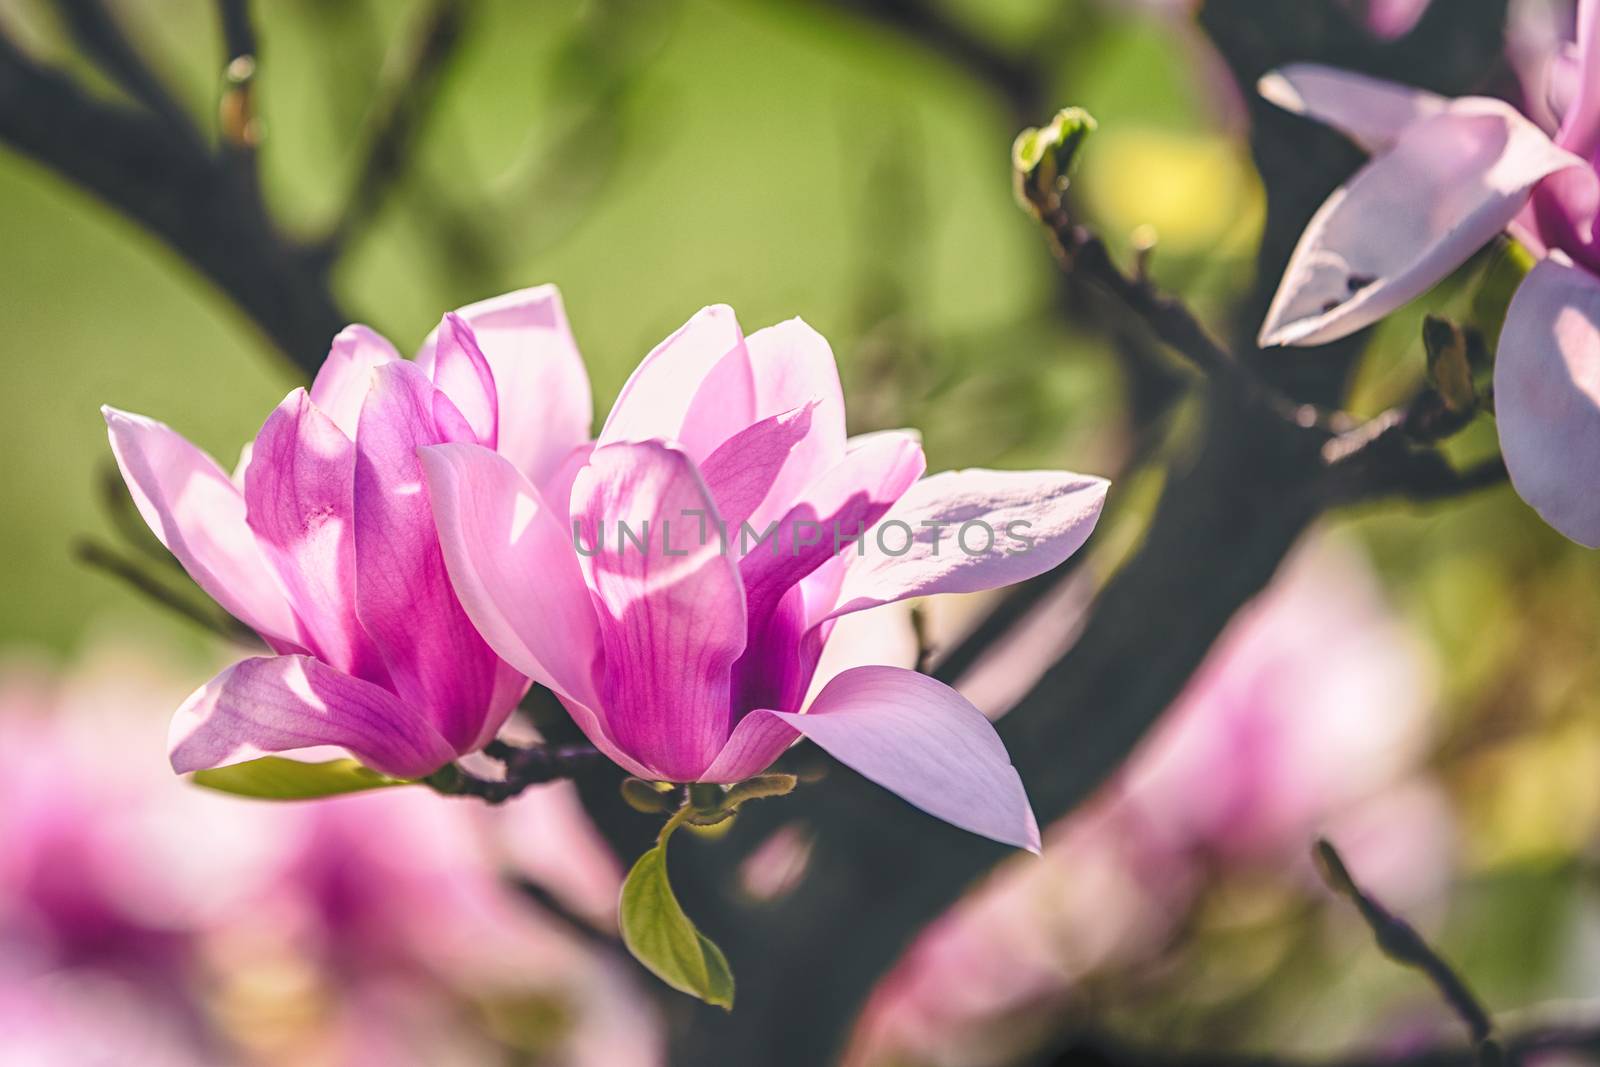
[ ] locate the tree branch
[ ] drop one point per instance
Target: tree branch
(396, 122)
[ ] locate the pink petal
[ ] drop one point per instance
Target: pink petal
(671, 613)
(1022, 523)
(541, 385)
(300, 493)
(1393, 19)
(923, 741)
(743, 469)
(462, 373)
(758, 740)
(283, 703)
(403, 596)
(1547, 397)
(341, 385)
(194, 509)
(1369, 111)
(833, 513)
(1580, 125)
(1408, 218)
(512, 564)
(793, 367)
(695, 388)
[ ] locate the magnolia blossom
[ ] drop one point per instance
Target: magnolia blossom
(145, 921)
(1447, 175)
(681, 640)
(323, 541)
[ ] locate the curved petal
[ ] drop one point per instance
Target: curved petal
(742, 471)
(973, 530)
(794, 367)
(194, 509)
(670, 607)
(512, 564)
(755, 743)
(1580, 124)
(1408, 218)
(1547, 397)
(695, 388)
(924, 742)
(299, 491)
(282, 703)
(1369, 111)
(540, 381)
(1390, 20)
(342, 382)
(404, 600)
(832, 514)
(462, 373)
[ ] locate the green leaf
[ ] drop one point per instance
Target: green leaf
(277, 778)
(762, 785)
(660, 935)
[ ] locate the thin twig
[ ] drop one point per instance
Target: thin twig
(1400, 941)
(101, 558)
(533, 765)
(551, 904)
(396, 122)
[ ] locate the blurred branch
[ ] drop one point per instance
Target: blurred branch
(1021, 80)
(396, 123)
(1400, 941)
(97, 556)
(552, 905)
(151, 167)
(94, 29)
(524, 767)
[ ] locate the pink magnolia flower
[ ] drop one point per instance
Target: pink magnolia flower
(687, 654)
(323, 542)
(1447, 175)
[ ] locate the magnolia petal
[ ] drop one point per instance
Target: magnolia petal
(540, 381)
(437, 660)
(283, 703)
(695, 388)
(511, 561)
(973, 530)
(342, 382)
(299, 490)
(670, 607)
(462, 373)
(1408, 218)
(1547, 397)
(1369, 111)
(923, 741)
(197, 512)
(794, 367)
(1580, 123)
(743, 469)
(1390, 20)
(757, 740)
(832, 514)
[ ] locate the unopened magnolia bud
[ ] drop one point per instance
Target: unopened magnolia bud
(1042, 157)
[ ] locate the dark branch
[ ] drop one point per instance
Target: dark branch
(94, 29)
(396, 122)
(1400, 941)
(552, 905)
(133, 574)
(525, 767)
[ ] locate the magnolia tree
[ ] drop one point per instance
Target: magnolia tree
(698, 609)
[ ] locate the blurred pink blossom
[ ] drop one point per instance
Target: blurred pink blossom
(1309, 716)
(172, 925)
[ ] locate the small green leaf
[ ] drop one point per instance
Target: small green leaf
(660, 935)
(277, 778)
(1043, 157)
(646, 796)
(1449, 365)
